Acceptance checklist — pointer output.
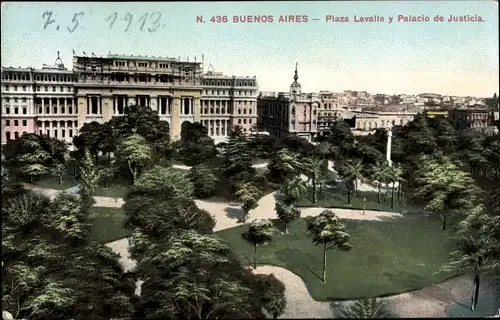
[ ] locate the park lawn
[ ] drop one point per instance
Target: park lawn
(387, 257)
(108, 224)
(337, 198)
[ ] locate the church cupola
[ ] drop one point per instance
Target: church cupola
(295, 88)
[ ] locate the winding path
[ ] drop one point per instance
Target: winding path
(428, 302)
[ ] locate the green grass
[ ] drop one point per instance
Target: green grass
(337, 198)
(388, 257)
(108, 224)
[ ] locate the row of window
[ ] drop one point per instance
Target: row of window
(16, 100)
(229, 83)
(16, 123)
(39, 88)
(26, 77)
(47, 110)
(245, 121)
(226, 92)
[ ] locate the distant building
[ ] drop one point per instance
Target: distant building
(471, 118)
(57, 102)
(292, 112)
(437, 113)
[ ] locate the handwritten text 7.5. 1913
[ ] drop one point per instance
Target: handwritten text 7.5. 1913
(148, 21)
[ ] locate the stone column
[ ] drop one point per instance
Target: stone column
(389, 146)
(50, 105)
(176, 118)
(65, 105)
(43, 105)
(197, 108)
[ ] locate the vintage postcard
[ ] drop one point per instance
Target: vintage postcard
(253, 159)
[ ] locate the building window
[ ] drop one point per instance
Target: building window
(16, 123)
(16, 110)
(7, 123)
(15, 88)
(25, 123)
(53, 89)
(63, 133)
(70, 133)
(239, 121)
(24, 100)
(46, 88)
(7, 135)
(25, 111)
(24, 88)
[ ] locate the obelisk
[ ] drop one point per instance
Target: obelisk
(389, 146)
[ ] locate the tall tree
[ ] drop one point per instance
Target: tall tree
(260, 232)
(444, 186)
(89, 137)
(196, 146)
(380, 174)
(249, 194)
(313, 167)
(330, 232)
(205, 181)
(293, 190)
(475, 243)
(394, 175)
(136, 152)
(284, 165)
(286, 213)
(351, 172)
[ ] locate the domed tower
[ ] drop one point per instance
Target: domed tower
(295, 88)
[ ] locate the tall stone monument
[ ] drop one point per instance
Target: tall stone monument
(389, 146)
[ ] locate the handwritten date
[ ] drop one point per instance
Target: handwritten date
(153, 20)
(148, 21)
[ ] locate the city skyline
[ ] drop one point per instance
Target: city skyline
(449, 58)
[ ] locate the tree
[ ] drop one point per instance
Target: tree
(272, 294)
(380, 174)
(286, 213)
(26, 157)
(260, 231)
(194, 276)
(394, 175)
(204, 180)
(250, 195)
(135, 151)
(293, 190)
(162, 181)
(89, 137)
(474, 249)
(89, 177)
(51, 267)
(328, 230)
(351, 172)
(60, 166)
(371, 308)
(236, 154)
(284, 165)
(196, 146)
(313, 167)
(106, 174)
(444, 186)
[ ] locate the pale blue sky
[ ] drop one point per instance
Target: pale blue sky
(447, 58)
